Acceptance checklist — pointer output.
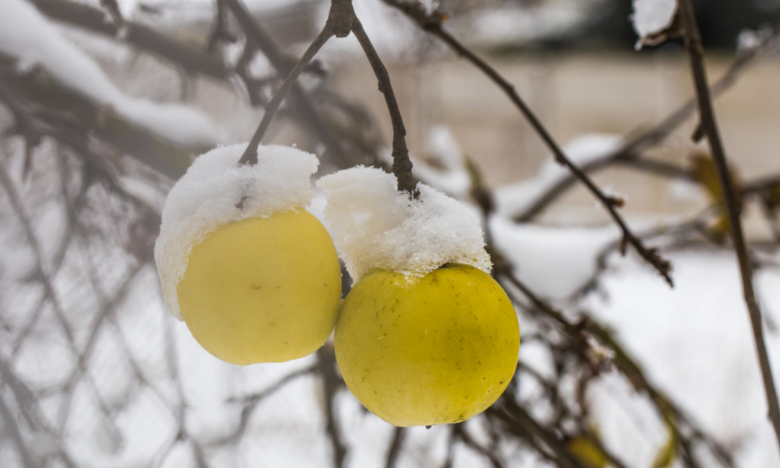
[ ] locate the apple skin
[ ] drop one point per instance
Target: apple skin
(424, 351)
(262, 289)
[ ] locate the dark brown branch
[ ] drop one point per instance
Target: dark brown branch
(459, 431)
(634, 146)
(402, 165)
(710, 128)
(520, 422)
(395, 447)
(326, 362)
(578, 335)
(433, 24)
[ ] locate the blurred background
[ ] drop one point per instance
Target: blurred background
(104, 103)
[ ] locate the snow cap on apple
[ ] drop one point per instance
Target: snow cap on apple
(375, 226)
(215, 191)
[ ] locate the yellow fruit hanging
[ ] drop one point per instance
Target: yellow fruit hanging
(262, 289)
(254, 276)
(432, 350)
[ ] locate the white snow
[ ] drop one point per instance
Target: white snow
(695, 342)
(651, 17)
(516, 198)
(34, 40)
(375, 226)
(206, 198)
(553, 262)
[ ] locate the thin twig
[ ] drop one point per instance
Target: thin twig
(402, 165)
(331, 382)
(303, 105)
(710, 128)
(395, 447)
(460, 431)
(639, 143)
(432, 23)
(250, 154)
(252, 401)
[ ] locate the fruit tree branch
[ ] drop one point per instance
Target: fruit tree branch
(432, 23)
(250, 154)
(402, 165)
(710, 129)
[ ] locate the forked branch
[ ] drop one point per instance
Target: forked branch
(341, 21)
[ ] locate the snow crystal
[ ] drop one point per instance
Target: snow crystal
(652, 16)
(375, 226)
(209, 194)
(30, 37)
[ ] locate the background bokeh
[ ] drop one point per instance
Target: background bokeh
(622, 370)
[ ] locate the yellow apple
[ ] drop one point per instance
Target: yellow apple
(432, 350)
(262, 289)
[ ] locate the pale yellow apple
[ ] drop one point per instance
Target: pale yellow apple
(262, 289)
(432, 350)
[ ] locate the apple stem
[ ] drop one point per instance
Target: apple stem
(333, 26)
(341, 21)
(402, 165)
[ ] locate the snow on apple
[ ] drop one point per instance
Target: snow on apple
(216, 190)
(375, 226)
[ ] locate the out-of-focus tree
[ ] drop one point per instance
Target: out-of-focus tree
(88, 356)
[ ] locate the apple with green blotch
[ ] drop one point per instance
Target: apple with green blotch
(432, 350)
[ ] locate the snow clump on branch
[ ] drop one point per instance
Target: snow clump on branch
(375, 226)
(216, 190)
(651, 18)
(29, 37)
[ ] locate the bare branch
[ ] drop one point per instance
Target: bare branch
(250, 154)
(432, 23)
(302, 104)
(402, 165)
(639, 143)
(10, 425)
(710, 129)
(326, 361)
(395, 447)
